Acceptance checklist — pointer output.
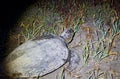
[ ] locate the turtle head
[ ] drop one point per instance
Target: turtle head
(68, 35)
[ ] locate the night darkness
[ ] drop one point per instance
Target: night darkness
(10, 12)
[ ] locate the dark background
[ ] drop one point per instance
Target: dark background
(10, 11)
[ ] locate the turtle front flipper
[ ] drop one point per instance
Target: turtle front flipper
(74, 61)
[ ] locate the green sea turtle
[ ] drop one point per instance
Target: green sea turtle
(41, 55)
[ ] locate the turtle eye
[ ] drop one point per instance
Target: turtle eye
(69, 31)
